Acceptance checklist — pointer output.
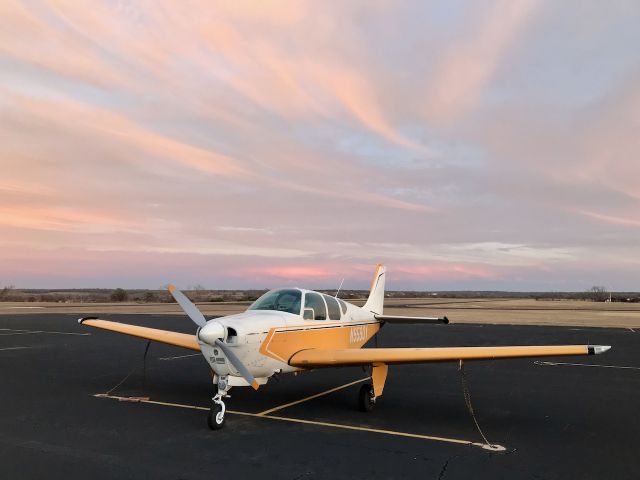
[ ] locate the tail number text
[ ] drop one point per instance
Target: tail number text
(358, 334)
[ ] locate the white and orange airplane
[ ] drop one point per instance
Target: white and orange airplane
(293, 329)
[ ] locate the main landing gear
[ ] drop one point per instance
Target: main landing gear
(216, 417)
(366, 398)
(369, 392)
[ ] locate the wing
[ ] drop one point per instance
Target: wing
(164, 336)
(402, 319)
(367, 356)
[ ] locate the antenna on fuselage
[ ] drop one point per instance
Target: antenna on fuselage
(338, 291)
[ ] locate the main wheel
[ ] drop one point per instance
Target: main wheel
(366, 398)
(215, 418)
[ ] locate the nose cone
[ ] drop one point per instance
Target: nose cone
(211, 332)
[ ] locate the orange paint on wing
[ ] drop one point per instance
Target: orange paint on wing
(367, 356)
(183, 340)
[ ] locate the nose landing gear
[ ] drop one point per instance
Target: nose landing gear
(216, 416)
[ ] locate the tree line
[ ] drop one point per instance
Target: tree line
(198, 293)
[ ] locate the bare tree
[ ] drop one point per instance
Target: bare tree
(198, 293)
(6, 293)
(119, 295)
(598, 293)
(149, 297)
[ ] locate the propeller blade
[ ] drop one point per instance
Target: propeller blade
(235, 361)
(189, 308)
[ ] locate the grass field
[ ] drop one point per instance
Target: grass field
(490, 311)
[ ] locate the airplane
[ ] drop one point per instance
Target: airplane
(293, 329)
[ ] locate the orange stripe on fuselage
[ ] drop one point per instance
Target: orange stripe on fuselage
(282, 343)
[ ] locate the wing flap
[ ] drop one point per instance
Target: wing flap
(366, 356)
(183, 340)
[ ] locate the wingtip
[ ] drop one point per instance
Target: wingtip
(81, 320)
(171, 288)
(598, 349)
(255, 385)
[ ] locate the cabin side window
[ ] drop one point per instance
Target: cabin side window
(343, 306)
(313, 302)
(333, 307)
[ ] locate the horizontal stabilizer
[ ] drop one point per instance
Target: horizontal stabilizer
(404, 319)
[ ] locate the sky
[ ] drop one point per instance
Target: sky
(487, 145)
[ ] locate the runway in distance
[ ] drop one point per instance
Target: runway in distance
(292, 329)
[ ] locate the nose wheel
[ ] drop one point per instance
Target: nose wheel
(216, 417)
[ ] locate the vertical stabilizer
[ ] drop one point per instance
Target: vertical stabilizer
(375, 302)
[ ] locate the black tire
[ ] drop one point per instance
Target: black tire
(213, 419)
(366, 399)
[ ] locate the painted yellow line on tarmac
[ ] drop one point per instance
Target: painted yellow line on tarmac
(309, 422)
(311, 397)
(367, 429)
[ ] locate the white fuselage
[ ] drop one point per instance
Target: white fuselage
(264, 340)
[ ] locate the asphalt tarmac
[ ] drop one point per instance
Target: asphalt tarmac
(570, 417)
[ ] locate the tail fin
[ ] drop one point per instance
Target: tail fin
(375, 302)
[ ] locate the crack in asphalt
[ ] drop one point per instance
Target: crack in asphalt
(443, 471)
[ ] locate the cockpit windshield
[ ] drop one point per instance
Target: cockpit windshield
(285, 300)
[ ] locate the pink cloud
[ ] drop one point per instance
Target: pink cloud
(447, 271)
(293, 272)
(58, 218)
(467, 66)
(19, 21)
(358, 96)
(107, 124)
(610, 219)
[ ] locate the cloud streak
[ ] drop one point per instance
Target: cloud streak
(466, 69)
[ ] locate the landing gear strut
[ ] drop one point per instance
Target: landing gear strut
(216, 417)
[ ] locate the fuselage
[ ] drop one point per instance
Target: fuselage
(283, 322)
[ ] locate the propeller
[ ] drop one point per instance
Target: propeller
(211, 333)
(189, 308)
